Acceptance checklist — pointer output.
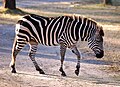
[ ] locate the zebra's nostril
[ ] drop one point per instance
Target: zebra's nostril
(100, 55)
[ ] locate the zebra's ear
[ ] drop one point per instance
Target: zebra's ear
(101, 32)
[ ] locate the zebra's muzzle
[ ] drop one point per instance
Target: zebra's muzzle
(100, 55)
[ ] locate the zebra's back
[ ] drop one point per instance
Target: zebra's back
(45, 30)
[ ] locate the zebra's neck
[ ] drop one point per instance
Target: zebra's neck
(82, 28)
(86, 29)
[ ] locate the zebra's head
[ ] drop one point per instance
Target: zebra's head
(96, 42)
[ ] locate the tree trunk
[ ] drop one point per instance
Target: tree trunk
(107, 2)
(11, 4)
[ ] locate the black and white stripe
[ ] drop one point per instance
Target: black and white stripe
(50, 31)
(63, 30)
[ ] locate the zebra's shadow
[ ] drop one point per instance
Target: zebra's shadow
(89, 61)
(56, 56)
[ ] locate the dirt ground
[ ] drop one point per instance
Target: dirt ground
(93, 71)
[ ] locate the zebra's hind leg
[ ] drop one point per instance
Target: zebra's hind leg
(76, 52)
(17, 46)
(33, 49)
(62, 53)
(12, 64)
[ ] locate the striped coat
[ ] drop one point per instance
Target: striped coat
(52, 31)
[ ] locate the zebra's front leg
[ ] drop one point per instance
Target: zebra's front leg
(62, 53)
(76, 52)
(33, 49)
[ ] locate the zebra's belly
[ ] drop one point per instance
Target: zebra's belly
(50, 44)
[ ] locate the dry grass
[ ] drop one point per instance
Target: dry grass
(112, 46)
(10, 16)
(103, 13)
(95, 7)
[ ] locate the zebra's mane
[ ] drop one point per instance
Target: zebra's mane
(78, 17)
(71, 16)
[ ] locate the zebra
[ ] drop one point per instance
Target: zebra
(64, 31)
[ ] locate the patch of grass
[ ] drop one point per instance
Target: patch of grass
(44, 13)
(17, 11)
(114, 67)
(8, 19)
(117, 77)
(114, 59)
(95, 7)
(112, 47)
(11, 16)
(8, 16)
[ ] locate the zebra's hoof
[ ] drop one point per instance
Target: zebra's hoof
(61, 70)
(77, 72)
(13, 71)
(63, 74)
(41, 72)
